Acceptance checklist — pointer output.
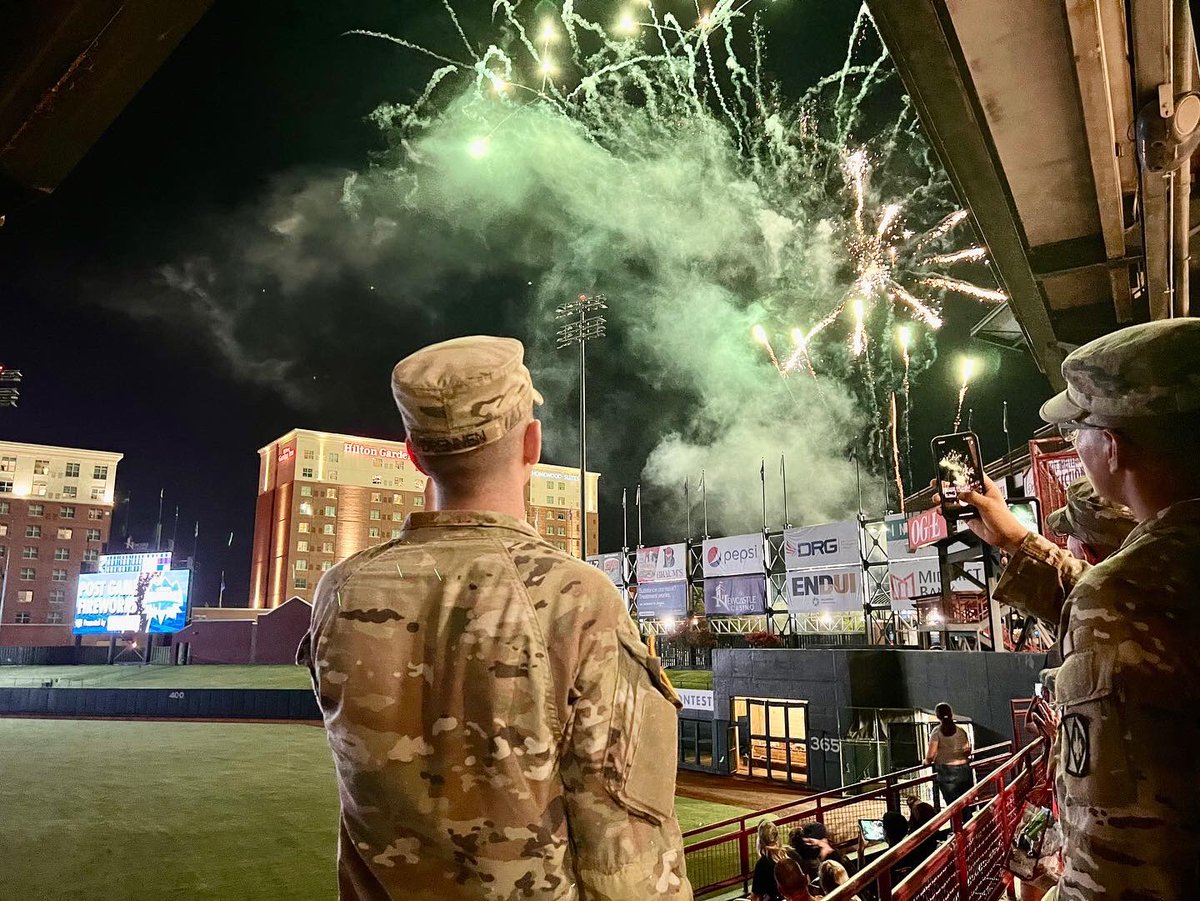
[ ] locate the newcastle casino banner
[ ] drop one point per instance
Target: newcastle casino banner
(836, 590)
(735, 595)
(656, 600)
(662, 564)
(828, 544)
(735, 555)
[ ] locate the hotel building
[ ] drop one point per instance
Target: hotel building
(324, 496)
(55, 514)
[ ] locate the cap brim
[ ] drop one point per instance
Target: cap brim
(1061, 408)
(538, 400)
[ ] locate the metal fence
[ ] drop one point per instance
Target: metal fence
(720, 856)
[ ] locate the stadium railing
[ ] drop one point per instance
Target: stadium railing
(970, 863)
(721, 855)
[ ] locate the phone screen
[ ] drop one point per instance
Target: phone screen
(872, 830)
(959, 469)
(1028, 511)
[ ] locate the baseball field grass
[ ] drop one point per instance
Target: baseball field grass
(118, 810)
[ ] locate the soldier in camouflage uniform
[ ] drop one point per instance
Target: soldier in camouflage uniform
(1128, 691)
(1094, 527)
(498, 728)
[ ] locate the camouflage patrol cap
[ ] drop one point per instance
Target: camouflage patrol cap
(1142, 371)
(1091, 518)
(463, 393)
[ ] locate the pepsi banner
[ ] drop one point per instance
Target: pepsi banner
(829, 544)
(612, 565)
(657, 600)
(836, 590)
(735, 595)
(733, 556)
(662, 564)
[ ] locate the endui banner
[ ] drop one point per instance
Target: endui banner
(657, 600)
(829, 544)
(611, 565)
(733, 556)
(834, 590)
(667, 563)
(735, 595)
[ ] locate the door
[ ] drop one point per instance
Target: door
(771, 737)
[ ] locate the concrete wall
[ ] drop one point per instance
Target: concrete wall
(978, 685)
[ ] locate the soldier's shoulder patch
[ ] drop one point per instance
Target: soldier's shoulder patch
(1076, 745)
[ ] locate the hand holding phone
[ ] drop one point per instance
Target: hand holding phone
(959, 470)
(872, 830)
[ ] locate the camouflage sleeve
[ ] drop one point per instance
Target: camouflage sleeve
(1128, 734)
(618, 770)
(1039, 577)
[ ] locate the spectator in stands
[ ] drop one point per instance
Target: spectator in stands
(791, 880)
(950, 753)
(811, 846)
(770, 852)
(921, 813)
(832, 875)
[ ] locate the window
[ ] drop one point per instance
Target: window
(5, 486)
(560, 545)
(8, 464)
(65, 534)
(301, 565)
(396, 533)
(562, 501)
(27, 574)
(332, 475)
(310, 455)
(331, 493)
(418, 502)
(327, 547)
(37, 509)
(328, 529)
(376, 480)
(302, 547)
(94, 515)
(302, 528)
(23, 618)
(376, 497)
(306, 509)
(398, 516)
(332, 457)
(70, 491)
(29, 553)
(41, 467)
(99, 473)
(54, 617)
(58, 575)
(3, 508)
(549, 499)
(397, 498)
(58, 596)
(373, 532)
(326, 565)
(67, 512)
(72, 471)
(93, 534)
(300, 582)
(306, 472)
(374, 514)
(97, 493)
(330, 511)
(306, 490)
(3, 551)
(62, 553)
(33, 531)
(3, 529)
(89, 556)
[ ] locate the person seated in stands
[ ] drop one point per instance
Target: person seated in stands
(812, 843)
(770, 852)
(833, 874)
(791, 881)
(895, 828)
(920, 813)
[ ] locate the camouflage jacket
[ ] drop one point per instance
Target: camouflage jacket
(1128, 776)
(498, 728)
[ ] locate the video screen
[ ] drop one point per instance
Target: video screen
(110, 603)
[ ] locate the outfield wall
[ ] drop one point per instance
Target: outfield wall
(176, 704)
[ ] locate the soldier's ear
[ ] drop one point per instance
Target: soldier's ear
(1117, 450)
(532, 444)
(413, 456)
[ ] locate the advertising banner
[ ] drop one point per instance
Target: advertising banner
(611, 565)
(656, 600)
(131, 601)
(696, 698)
(925, 528)
(837, 590)
(662, 564)
(735, 595)
(829, 544)
(897, 536)
(922, 576)
(733, 556)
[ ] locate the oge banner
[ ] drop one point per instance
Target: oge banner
(662, 564)
(656, 600)
(733, 556)
(612, 565)
(735, 595)
(835, 590)
(829, 544)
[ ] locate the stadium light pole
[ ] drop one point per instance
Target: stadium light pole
(579, 327)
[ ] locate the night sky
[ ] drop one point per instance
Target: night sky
(256, 93)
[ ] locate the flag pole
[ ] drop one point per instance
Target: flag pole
(625, 519)
(637, 502)
(762, 478)
(787, 520)
(704, 495)
(687, 503)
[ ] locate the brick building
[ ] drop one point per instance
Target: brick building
(55, 514)
(324, 496)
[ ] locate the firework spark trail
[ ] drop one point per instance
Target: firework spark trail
(965, 288)
(942, 229)
(896, 451)
(962, 396)
(968, 254)
(932, 319)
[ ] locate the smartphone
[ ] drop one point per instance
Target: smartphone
(1029, 511)
(872, 830)
(958, 469)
